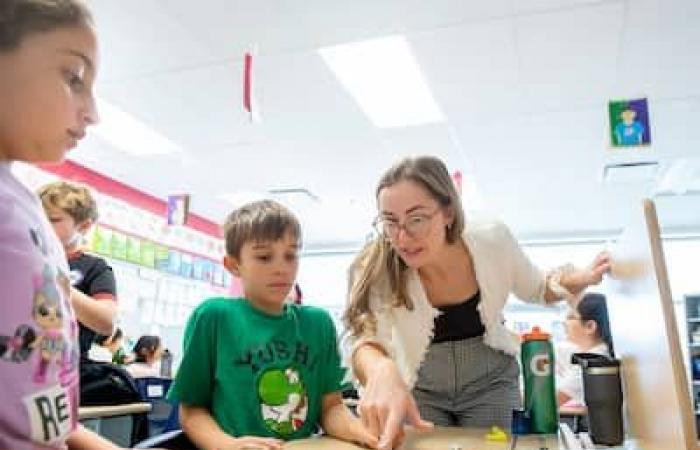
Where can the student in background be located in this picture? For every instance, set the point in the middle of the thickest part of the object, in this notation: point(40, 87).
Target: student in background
point(48, 59)
point(588, 330)
point(108, 348)
point(258, 370)
point(72, 211)
point(147, 353)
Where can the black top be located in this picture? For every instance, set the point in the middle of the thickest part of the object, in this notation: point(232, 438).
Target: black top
point(460, 321)
point(93, 277)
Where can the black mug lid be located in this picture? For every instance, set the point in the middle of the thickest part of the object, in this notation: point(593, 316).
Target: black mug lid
point(586, 360)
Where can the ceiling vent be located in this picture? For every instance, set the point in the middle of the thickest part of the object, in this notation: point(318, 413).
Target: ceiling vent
point(632, 172)
point(297, 199)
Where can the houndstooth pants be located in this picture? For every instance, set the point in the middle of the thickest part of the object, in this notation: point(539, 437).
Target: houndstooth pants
point(467, 384)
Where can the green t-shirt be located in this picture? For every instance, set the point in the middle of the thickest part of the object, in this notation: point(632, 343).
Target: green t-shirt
point(259, 374)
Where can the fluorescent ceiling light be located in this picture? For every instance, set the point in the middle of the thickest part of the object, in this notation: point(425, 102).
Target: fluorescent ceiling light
point(295, 192)
point(682, 176)
point(129, 134)
point(384, 78)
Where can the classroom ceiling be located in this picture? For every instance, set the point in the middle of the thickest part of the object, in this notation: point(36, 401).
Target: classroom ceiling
point(523, 85)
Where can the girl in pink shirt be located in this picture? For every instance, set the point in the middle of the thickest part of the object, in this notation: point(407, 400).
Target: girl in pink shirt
point(48, 58)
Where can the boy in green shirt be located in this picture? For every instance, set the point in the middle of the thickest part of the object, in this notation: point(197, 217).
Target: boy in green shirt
point(256, 370)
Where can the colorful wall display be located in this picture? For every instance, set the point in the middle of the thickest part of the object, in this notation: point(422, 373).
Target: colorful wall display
point(146, 253)
point(162, 257)
point(186, 265)
point(133, 249)
point(118, 250)
point(174, 261)
point(102, 241)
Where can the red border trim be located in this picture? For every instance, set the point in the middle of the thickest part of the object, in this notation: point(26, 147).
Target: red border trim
point(71, 170)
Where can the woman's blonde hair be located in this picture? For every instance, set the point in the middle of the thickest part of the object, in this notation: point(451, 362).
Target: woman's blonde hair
point(378, 262)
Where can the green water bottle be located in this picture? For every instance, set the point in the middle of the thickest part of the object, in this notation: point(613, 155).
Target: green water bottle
point(537, 356)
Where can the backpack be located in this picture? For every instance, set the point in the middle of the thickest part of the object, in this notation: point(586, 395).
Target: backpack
point(105, 384)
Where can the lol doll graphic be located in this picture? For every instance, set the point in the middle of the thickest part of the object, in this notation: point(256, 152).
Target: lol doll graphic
point(48, 315)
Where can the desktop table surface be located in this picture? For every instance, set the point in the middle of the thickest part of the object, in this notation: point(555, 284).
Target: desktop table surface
point(95, 412)
point(439, 439)
point(457, 438)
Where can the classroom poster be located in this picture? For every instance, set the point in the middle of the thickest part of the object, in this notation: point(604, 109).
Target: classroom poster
point(178, 209)
point(102, 241)
point(118, 245)
point(133, 249)
point(148, 254)
point(208, 273)
point(174, 261)
point(198, 269)
point(629, 123)
point(162, 257)
point(219, 275)
point(186, 265)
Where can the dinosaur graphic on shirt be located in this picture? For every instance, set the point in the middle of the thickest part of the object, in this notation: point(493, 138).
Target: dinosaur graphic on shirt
point(283, 400)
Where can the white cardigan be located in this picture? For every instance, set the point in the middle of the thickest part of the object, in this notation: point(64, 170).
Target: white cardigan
point(501, 267)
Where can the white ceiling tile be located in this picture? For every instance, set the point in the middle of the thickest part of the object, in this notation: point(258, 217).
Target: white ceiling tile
point(536, 6)
point(473, 69)
point(674, 126)
point(333, 22)
point(232, 27)
point(568, 58)
point(660, 54)
point(139, 38)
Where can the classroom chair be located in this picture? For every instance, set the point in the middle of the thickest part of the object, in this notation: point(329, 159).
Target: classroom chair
point(163, 416)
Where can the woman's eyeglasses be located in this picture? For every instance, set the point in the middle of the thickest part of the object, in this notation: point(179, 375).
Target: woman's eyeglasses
point(416, 226)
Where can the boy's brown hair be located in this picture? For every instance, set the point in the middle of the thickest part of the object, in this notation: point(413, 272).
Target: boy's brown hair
point(20, 18)
point(264, 220)
point(74, 199)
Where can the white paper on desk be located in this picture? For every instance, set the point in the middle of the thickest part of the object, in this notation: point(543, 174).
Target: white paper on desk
point(154, 390)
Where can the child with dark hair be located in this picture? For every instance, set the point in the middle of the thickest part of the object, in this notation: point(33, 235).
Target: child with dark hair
point(147, 353)
point(588, 330)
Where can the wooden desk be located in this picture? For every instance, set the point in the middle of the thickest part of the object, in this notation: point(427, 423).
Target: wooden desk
point(574, 416)
point(96, 412)
point(439, 439)
point(467, 439)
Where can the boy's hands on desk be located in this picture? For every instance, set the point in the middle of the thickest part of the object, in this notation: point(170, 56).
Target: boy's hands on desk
point(358, 434)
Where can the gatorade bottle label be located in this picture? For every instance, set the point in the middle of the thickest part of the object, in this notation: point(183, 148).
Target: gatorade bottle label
point(540, 365)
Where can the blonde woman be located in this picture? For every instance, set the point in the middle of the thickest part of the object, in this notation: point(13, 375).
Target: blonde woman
point(425, 307)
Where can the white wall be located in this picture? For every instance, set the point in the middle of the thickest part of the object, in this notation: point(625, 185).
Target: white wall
point(323, 278)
